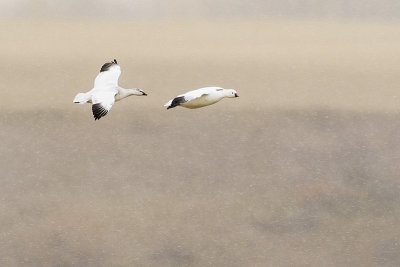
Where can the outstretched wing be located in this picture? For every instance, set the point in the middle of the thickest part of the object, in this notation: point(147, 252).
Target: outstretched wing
point(191, 95)
point(102, 102)
point(108, 76)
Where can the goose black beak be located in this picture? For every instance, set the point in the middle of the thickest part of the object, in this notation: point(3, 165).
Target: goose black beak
point(236, 95)
point(143, 93)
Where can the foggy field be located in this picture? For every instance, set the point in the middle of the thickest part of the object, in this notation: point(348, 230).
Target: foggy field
point(197, 188)
point(273, 63)
point(301, 170)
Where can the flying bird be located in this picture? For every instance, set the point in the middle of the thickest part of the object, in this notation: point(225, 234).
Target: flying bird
point(106, 90)
point(201, 97)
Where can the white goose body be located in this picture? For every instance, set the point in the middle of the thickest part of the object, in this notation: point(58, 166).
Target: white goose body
point(106, 90)
point(201, 97)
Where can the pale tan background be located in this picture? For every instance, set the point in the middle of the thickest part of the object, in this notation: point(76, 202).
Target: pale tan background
point(301, 170)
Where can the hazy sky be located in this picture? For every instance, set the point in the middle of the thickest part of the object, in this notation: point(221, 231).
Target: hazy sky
point(149, 9)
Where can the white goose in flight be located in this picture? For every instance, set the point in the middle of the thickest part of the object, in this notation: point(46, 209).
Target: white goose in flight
point(106, 90)
point(201, 97)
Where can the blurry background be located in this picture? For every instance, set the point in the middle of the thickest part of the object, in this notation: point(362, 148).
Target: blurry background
point(301, 170)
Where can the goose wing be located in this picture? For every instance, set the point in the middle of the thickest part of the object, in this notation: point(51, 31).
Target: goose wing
point(102, 102)
point(191, 95)
point(108, 76)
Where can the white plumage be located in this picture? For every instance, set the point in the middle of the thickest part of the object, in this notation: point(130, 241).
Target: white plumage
point(201, 97)
point(106, 90)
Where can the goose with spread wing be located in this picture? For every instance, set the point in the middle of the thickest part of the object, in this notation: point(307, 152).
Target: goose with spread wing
point(106, 90)
point(201, 97)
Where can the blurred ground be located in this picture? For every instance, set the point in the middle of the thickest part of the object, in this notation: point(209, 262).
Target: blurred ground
point(301, 170)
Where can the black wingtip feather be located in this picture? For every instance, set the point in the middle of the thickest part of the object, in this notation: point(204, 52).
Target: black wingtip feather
point(177, 101)
point(98, 111)
point(108, 65)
